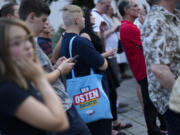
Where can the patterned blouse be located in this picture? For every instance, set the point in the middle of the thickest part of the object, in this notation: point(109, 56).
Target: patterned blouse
point(161, 42)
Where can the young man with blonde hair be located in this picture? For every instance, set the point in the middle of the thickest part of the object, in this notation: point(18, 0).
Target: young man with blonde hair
point(88, 57)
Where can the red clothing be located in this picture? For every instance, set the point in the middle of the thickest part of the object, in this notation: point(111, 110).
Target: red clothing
point(131, 41)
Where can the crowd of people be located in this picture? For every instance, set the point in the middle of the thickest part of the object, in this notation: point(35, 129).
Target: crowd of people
point(36, 64)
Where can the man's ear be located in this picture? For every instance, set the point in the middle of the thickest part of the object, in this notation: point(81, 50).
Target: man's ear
point(126, 10)
point(30, 17)
point(76, 20)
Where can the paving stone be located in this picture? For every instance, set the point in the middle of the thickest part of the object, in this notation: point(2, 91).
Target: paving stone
point(134, 115)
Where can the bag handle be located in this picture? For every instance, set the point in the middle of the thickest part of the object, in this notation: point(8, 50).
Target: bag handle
point(70, 53)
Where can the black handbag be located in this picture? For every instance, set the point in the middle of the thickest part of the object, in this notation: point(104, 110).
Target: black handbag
point(120, 47)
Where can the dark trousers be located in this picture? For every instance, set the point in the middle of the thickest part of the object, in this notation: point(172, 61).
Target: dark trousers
point(150, 112)
point(162, 122)
point(101, 127)
point(122, 68)
point(172, 120)
point(114, 82)
point(113, 99)
point(77, 125)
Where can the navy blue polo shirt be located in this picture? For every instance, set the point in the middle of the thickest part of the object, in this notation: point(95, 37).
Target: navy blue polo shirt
point(88, 56)
point(11, 97)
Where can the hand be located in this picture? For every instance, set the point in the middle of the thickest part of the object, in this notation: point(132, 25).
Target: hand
point(32, 71)
point(103, 26)
point(66, 66)
point(109, 53)
point(59, 61)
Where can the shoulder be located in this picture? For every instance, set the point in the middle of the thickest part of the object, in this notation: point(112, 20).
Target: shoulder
point(82, 41)
point(94, 13)
point(154, 19)
point(11, 96)
point(8, 85)
point(85, 35)
point(10, 88)
point(98, 17)
point(129, 28)
point(154, 25)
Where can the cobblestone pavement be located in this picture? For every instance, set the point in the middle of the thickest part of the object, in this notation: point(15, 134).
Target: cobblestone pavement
point(127, 94)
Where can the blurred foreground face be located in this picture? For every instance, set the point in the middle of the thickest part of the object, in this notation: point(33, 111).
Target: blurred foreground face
point(19, 44)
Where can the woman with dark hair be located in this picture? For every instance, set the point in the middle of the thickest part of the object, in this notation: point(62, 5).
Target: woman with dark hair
point(98, 43)
point(89, 21)
point(108, 81)
point(29, 105)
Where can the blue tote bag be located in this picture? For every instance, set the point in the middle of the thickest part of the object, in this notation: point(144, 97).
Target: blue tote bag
point(88, 96)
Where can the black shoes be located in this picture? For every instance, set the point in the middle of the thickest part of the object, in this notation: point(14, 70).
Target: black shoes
point(122, 126)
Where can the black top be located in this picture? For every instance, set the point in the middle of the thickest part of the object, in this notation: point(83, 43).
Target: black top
point(11, 97)
point(88, 56)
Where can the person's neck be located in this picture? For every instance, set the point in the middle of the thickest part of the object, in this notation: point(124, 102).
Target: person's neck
point(30, 26)
point(130, 19)
point(110, 15)
point(72, 30)
point(170, 5)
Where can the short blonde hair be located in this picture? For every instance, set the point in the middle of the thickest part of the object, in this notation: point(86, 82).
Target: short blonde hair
point(70, 12)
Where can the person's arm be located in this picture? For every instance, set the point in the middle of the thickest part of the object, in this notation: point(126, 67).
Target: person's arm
point(49, 115)
point(107, 33)
point(163, 75)
point(57, 50)
point(109, 53)
point(154, 43)
point(104, 66)
point(90, 56)
point(105, 54)
point(103, 33)
point(61, 68)
point(85, 35)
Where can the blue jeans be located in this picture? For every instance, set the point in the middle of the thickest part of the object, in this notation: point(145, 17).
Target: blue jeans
point(172, 120)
